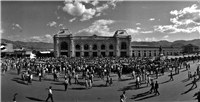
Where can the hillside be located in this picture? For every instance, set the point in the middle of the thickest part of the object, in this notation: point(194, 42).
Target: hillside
point(29, 45)
point(43, 45)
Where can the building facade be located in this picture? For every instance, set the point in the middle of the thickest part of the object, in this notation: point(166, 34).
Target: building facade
point(151, 51)
point(190, 48)
point(67, 44)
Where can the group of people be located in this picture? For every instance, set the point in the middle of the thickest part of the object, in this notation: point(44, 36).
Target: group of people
point(141, 69)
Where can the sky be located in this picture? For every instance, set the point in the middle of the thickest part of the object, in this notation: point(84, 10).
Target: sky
point(38, 21)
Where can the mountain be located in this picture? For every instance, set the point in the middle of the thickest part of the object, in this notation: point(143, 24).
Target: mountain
point(29, 45)
point(43, 45)
point(177, 43)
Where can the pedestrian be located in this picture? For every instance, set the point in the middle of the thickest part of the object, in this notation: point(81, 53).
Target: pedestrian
point(123, 97)
point(198, 96)
point(40, 76)
point(50, 94)
point(66, 84)
point(76, 78)
point(156, 88)
point(171, 76)
point(14, 99)
point(152, 86)
point(194, 83)
point(148, 80)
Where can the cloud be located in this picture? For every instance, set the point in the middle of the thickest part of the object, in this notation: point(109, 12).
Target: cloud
point(99, 27)
point(171, 29)
point(1, 29)
point(95, 2)
point(13, 37)
point(186, 20)
point(45, 38)
point(132, 32)
point(52, 24)
point(138, 24)
point(71, 20)
point(186, 16)
point(16, 26)
point(152, 19)
point(77, 8)
point(147, 39)
point(60, 25)
point(138, 28)
point(58, 17)
point(165, 37)
point(88, 14)
point(144, 32)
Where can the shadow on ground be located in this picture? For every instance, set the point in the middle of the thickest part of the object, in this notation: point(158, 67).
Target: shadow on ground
point(34, 99)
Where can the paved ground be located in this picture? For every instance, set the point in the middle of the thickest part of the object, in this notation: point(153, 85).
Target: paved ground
point(177, 90)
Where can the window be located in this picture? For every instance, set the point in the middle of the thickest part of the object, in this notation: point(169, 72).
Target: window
point(64, 46)
point(111, 47)
point(86, 47)
point(78, 47)
point(94, 47)
point(103, 47)
point(123, 45)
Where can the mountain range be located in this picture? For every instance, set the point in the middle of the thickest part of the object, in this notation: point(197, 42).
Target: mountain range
point(45, 46)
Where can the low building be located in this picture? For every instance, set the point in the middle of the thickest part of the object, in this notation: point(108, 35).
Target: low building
point(152, 51)
point(190, 48)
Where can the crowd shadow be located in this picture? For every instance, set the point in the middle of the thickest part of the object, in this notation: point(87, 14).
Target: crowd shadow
point(78, 88)
point(19, 80)
point(100, 85)
point(59, 83)
point(185, 80)
point(130, 87)
point(35, 99)
point(143, 96)
point(190, 89)
point(126, 79)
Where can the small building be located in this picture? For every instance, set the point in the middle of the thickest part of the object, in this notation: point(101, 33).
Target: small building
point(153, 51)
point(190, 48)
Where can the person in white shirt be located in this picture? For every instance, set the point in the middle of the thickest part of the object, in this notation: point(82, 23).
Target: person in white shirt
point(50, 94)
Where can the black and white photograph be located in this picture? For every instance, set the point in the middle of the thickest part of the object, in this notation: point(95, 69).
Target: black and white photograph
point(100, 51)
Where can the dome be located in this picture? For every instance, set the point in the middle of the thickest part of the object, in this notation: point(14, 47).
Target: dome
point(121, 33)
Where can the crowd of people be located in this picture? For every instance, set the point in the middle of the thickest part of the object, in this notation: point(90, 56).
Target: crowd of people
point(142, 70)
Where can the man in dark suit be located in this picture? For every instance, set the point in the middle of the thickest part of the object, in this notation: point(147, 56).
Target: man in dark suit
point(156, 88)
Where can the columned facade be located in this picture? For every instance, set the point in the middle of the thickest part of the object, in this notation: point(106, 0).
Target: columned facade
point(118, 45)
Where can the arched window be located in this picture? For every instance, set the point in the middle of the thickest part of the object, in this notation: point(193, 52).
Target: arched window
point(103, 47)
point(123, 45)
point(86, 47)
point(78, 47)
point(111, 47)
point(64, 46)
point(94, 47)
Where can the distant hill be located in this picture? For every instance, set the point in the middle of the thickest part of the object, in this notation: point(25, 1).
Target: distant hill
point(29, 45)
point(177, 43)
point(43, 45)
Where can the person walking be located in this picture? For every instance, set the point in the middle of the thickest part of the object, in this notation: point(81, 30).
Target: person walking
point(50, 94)
point(152, 86)
point(14, 99)
point(66, 84)
point(40, 76)
point(171, 76)
point(123, 97)
point(194, 83)
point(198, 96)
point(156, 88)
